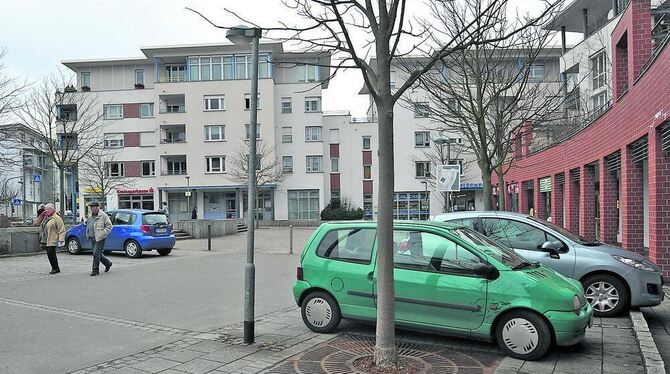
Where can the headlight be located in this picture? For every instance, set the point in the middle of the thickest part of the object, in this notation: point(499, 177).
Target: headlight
point(634, 263)
point(576, 304)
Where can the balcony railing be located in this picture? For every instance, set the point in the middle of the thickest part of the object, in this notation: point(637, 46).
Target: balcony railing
point(369, 119)
point(173, 172)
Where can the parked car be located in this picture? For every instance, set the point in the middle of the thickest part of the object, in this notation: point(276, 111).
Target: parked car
point(614, 279)
point(448, 279)
point(134, 231)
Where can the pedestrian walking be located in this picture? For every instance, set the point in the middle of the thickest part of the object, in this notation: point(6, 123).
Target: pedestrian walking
point(98, 227)
point(52, 234)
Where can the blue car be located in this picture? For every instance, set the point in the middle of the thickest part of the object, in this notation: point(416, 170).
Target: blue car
point(134, 231)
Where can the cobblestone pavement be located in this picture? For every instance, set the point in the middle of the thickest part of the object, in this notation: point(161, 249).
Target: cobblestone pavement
point(658, 319)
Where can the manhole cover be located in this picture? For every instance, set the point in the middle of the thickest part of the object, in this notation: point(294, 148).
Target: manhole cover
point(338, 355)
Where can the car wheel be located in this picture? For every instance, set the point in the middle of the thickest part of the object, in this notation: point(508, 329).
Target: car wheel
point(523, 334)
point(164, 251)
point(73, 246)
point(320, 312)
point(607, 295)
point(133, 249)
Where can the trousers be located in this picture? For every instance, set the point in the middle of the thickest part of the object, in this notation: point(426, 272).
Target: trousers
point(98, 256)
point(53, 259)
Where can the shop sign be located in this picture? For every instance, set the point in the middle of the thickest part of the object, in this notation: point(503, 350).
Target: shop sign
point(512, 188)
point(472, 186)
point(92, 190)
point(545, 184)
point(134, 191)
point(449, 178)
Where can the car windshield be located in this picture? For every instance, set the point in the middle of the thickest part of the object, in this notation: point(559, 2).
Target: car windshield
point(154, 219)
point(572, 236)
point(501, 253)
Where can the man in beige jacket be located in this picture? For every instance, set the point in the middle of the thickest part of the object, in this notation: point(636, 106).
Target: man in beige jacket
point(98, 226)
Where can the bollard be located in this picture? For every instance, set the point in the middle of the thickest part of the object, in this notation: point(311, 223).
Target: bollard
point(290, 240)
point(209, 236)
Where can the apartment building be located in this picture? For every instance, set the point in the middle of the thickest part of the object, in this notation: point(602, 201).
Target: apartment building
point(178, 117)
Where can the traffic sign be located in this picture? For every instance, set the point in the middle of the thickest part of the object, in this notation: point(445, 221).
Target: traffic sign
point(16, 201)
point(37, 178)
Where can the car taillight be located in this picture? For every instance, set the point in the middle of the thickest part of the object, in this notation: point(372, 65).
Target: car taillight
point(146, 229)
point(299, 273)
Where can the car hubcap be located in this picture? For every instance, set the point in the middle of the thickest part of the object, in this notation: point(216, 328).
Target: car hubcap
point(318, 312)
point(520, 336)
point(131, 249)
point(602, 296)
point(72, 246)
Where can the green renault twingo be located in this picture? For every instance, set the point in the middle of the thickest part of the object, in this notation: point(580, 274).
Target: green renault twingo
point(448, 279)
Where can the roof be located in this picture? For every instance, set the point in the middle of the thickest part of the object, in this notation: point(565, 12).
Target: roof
point(572, 17)
point(396, 223)
point(469, 214)
point(72, 64)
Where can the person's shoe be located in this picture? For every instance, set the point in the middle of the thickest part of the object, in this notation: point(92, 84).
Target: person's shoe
point(94, 273)
point(54, 271)
point(107, 267)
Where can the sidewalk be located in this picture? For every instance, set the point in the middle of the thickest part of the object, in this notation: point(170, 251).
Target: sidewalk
point(285, 345)
point(658, 319)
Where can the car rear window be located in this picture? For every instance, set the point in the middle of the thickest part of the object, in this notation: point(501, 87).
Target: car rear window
point(154, 218)
point(354, 245)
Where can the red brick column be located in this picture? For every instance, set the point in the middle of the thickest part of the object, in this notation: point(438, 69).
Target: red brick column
point(523, 199)
point(632, 219)
point(571, 199)
point(659, 202)
point(538, 200)
point(608, 211)
point(556, 201)
point(587, 202)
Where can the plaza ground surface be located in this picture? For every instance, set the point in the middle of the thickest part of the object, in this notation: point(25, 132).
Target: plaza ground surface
point(182, 314)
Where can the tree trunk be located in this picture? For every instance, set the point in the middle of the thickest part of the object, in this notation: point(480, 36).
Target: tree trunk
point(488, 189)
point(386, 354)
point(61, 192)
point(502, 191)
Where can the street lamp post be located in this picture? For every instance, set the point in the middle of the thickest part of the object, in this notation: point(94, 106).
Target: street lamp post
point(442, 141)
point(426, 199)
point(188, 194)
point(243, 35)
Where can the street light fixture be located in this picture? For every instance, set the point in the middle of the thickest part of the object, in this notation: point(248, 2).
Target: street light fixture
point(244, 35)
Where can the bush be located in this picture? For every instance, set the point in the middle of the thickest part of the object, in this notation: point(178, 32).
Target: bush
point(341, 211)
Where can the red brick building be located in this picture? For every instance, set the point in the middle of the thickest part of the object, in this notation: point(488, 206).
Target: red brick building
point(610, 179)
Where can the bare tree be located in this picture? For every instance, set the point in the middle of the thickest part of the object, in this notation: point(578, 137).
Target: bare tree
point(8, 191)
point(99, 173)
point(10, 91)
point(487, 92)
point(68, 123)
point(354, 30)
point(268, 171)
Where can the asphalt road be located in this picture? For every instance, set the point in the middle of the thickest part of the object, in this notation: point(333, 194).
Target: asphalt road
point(60, 323)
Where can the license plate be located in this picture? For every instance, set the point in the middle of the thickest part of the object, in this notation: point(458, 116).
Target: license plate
point(161, 231)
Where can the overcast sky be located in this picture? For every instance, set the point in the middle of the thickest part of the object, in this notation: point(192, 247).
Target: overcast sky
point(40, 33)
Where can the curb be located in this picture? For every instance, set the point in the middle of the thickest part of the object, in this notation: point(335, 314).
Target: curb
point(653, 362)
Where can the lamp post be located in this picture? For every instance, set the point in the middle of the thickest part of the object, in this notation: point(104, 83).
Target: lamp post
point(426, 199)
point(244, 35)
point(188, 194)
point(440, 142)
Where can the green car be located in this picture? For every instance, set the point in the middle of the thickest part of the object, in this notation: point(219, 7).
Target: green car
point(448, 279)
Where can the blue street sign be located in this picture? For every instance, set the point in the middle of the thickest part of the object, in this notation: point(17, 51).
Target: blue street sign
point(37, 178)
point(16, 201)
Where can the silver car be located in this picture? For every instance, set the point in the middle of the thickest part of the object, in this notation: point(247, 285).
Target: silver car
point(614, 279)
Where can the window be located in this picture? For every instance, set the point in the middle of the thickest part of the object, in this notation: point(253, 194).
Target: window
point(287, 164)
point(146, 110)
point(392, 81)
point(599, 102)
point(258, 131)
point(307, 73)
point(67, 140)
point(175, 73)
point(421, 109)
point(174, 108)
point(242, 65)
point(312, 104)
point(422, 139)
point(247, 101)
point(221, 67)
point(367, 206)
point(176, 167)
point(148, 168)
point(139, 76)
point(115, 169)
point(215, 103)
point(124, 218)
point(174, 134)
point(422, 169)
point(286, 105)
point(303, 204)
point(599, 70)
point(258, 161)
point(113, 141)
point(366, 142)
point(114, 111)
point(424, 251)
point(452, 104)
point(536, 72)
point(313, 133)
point(136, 202)
point(287, 135)
point(214, 133)
point(335, 195)
point(515, 234)
point(367, 172)
point(314, 164)
point(66, 112)
point(335, 165)
point(348, 245)
point(334, 136)
point(86, 79)
point(148, 139)
point(216, 164)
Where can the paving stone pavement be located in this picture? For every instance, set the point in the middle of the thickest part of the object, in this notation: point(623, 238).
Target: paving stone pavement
point(658, 319)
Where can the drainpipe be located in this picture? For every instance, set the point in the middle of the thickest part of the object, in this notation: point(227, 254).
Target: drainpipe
point(586, 22)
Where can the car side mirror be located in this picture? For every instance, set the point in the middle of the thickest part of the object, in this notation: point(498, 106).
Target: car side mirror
point(485, 270)
point(550, 248)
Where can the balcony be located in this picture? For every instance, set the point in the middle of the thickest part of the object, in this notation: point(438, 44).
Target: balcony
point(172, 104)
point(173, 165)
point(171, 134)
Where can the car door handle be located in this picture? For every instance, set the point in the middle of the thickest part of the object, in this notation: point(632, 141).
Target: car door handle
point(371, 276)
